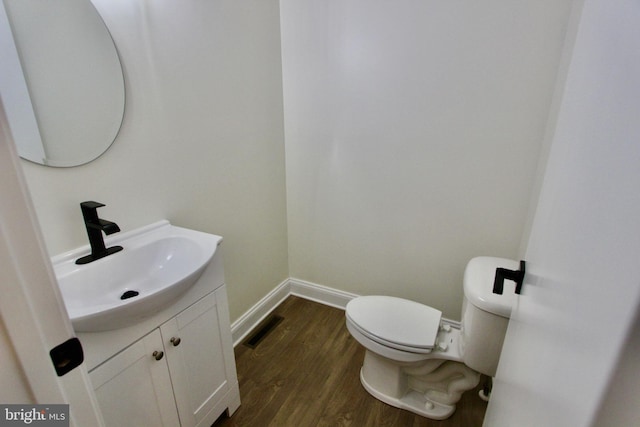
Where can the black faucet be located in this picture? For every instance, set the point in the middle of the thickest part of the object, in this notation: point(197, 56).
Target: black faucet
point(95, 226)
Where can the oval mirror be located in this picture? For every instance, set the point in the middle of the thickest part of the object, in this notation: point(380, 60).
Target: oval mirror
point(72, 103)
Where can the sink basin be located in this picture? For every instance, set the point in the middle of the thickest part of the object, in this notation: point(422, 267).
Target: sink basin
point(159, 263)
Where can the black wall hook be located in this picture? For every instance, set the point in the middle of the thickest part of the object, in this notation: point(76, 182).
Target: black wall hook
point(515, 275)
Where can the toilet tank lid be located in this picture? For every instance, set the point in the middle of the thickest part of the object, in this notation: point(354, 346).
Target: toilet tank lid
point(478, 285)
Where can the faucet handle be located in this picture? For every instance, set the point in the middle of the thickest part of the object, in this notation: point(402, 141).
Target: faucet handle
point(90, 210)
point(91, 205)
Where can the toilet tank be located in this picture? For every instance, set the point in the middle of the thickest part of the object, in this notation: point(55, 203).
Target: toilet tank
point(485, 315)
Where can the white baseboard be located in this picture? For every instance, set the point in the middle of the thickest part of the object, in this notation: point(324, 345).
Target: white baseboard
point(301, 288)
point(256, 314)
point(291, 286)
point(319, 293)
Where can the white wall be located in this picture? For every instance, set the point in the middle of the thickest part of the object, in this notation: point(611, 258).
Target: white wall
point(413, 130)
point(202, 139)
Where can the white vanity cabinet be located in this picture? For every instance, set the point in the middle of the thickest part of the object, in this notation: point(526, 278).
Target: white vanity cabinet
point(201, 373)
point(182, 373)
point(134, 389)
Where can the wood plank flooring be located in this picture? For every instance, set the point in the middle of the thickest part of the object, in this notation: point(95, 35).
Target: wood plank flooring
point(305, 372)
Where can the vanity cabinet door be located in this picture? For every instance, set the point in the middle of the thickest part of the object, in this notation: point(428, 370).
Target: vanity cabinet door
point(134, 387)
point(196, 358)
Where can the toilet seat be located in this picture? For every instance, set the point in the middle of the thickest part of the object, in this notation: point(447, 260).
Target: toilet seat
point(394, 346)
point(395, 322)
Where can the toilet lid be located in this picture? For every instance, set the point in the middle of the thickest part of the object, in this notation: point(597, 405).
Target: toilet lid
point(395, 322)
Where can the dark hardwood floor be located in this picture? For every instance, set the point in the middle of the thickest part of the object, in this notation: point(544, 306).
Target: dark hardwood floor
point(305, 372)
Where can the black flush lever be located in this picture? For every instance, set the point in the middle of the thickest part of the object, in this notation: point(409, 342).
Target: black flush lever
point(515, 275)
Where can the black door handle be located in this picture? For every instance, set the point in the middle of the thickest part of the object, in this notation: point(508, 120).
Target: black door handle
point(67, 356)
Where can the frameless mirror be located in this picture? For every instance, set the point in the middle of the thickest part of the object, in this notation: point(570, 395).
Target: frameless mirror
point(61, 80)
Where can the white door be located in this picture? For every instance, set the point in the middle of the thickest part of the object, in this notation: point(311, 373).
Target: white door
point(582, 287)
point(32, 313)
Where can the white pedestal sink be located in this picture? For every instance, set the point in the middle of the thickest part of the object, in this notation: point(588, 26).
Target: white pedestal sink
point(159, 263)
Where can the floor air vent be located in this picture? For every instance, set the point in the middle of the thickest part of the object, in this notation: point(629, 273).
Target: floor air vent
point(263, 330)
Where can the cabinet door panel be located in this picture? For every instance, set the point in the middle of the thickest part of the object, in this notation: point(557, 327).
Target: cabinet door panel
point(134, 389)
point(197, 364)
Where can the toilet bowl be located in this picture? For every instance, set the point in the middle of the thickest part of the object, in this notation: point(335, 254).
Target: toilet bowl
point(415, 360)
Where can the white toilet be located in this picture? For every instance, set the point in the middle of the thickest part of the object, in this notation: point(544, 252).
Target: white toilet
point(416, 362)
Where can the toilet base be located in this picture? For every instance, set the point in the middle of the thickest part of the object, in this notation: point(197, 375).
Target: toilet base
point(412, 401)
point(430, 388)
